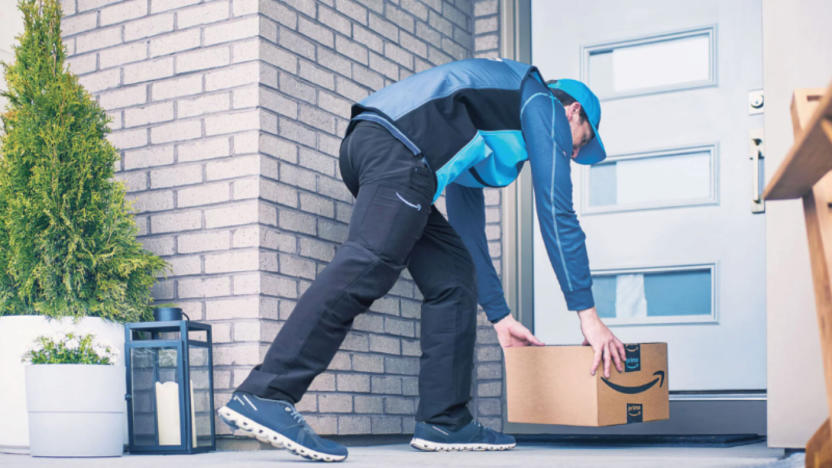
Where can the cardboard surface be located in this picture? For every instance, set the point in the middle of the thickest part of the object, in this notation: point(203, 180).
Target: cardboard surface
point(552, 385)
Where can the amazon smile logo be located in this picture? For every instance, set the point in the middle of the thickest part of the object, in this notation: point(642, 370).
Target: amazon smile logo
point(631, 390)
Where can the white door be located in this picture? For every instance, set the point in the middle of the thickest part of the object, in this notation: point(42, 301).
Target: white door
point(676, 253)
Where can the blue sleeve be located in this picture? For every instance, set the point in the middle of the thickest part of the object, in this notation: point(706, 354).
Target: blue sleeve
point(549, 145)
point(466, 214)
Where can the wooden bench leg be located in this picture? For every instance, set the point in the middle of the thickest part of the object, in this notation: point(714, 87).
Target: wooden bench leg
point(819, 448)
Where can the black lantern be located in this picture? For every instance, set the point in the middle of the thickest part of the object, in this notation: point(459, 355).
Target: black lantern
point(170, 385)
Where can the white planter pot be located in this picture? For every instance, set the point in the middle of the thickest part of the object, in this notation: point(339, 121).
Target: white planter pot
point(75, 410)
point(17, 336)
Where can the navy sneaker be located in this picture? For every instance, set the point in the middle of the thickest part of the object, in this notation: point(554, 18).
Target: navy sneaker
point(278, 422)
point(473, 436)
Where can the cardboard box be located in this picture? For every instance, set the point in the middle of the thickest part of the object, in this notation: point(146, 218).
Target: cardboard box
point(552, 385)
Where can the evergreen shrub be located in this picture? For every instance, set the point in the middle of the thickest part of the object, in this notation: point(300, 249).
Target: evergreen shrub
point(67, 236)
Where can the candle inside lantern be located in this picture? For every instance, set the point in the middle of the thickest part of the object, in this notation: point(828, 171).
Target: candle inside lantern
point(167, 413)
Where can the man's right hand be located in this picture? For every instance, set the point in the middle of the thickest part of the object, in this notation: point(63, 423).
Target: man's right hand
point(512, 333)
point(605, 344)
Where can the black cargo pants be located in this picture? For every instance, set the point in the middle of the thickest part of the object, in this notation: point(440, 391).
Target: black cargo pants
point(393, 225)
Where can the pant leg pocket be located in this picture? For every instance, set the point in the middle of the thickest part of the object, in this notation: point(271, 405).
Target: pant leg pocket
point(394, 220)
point(422, 179)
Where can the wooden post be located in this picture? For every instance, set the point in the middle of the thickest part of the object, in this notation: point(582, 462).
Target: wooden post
point(806, 173)
point(819, 450)
point(819, 232)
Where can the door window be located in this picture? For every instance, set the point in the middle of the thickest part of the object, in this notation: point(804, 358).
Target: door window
point(681, 294)
point(667, 62)
point(656, 179)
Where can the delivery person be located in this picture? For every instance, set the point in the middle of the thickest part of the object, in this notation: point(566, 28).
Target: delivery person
point(455, 128)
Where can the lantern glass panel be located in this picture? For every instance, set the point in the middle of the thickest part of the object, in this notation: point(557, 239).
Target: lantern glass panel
point(201, 397)
point(155, 393)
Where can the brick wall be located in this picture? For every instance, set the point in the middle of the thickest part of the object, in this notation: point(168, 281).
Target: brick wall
point(179, 79)
point(228, 116)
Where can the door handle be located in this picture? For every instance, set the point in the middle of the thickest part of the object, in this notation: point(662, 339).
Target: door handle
point(758, 205)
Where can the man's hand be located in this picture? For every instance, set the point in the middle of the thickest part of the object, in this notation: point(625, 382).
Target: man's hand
point(511, 333)
point(603, 342)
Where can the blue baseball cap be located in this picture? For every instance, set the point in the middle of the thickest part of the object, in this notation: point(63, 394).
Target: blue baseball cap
point(594, 150)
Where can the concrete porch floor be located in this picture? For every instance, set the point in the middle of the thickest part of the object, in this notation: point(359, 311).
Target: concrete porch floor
point(402, 456)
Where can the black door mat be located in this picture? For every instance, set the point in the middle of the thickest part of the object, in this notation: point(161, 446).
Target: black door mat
point(562, 440)
point(705, 440)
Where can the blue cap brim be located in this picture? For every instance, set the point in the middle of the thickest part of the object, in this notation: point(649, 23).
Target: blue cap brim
point(594, 151)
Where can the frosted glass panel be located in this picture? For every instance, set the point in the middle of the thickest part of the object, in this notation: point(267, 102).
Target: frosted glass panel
point(651, 296)
point(603, 290)
point(661, 64)
point(678, 293)
point(664, 178)
point(647, 64)
point(603, 190)
point(668, 179)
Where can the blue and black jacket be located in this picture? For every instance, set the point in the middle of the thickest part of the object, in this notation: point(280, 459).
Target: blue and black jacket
point(476, 122)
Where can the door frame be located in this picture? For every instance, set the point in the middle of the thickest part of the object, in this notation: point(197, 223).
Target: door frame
point(518, 233)
point(723, 413)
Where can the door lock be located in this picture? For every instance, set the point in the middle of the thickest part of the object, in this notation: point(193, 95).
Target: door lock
point(756, 102)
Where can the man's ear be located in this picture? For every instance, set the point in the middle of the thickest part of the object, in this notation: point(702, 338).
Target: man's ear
point(573, 109)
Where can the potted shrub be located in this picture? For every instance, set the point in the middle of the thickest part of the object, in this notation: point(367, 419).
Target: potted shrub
point(69, 259)
point(82, 416)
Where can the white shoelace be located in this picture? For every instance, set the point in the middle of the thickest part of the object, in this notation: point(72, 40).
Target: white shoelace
point(296, 415)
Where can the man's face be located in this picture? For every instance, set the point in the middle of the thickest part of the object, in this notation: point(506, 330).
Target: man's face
point(581, 131)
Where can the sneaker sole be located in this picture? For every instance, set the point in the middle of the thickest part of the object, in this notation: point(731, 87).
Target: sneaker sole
point(262, 433)
point(428, 446)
